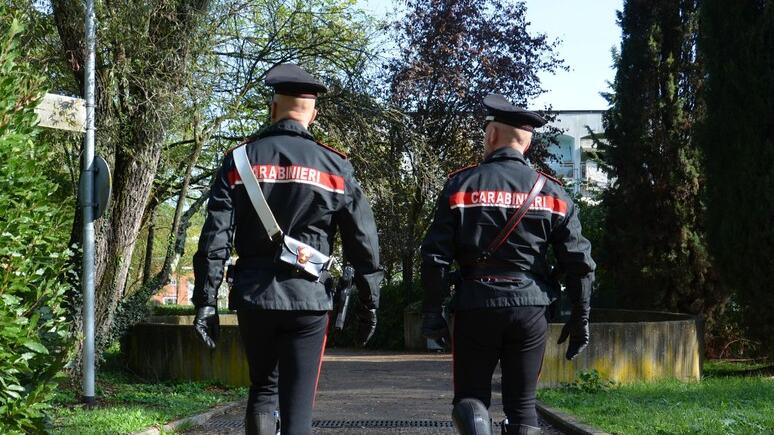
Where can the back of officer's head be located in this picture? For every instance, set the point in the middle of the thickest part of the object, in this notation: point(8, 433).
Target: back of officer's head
point(291, 107)
point(295, 93)
point(498, 135)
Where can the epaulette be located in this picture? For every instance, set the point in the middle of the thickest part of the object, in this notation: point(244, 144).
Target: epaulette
point(463, 169)
point(334, 150)
point(247, 141)
point(551, 177)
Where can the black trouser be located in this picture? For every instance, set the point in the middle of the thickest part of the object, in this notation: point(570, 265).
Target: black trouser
point(284, 351)
point(516, 337)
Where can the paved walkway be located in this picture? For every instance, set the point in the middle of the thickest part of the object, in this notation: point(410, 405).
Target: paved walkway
point(399, 393)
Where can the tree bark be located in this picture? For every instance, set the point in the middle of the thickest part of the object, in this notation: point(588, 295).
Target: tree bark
point(407, 272)
point(133, 309)
point(146, 269)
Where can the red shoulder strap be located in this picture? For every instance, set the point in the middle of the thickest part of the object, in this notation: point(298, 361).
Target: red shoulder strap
point(245, 142)
point(463, 169)
point(554, 179)
point(330, 148)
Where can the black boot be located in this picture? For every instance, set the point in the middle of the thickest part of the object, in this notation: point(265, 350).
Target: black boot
point(519, 429)
point(261, 424)
point(471, 417)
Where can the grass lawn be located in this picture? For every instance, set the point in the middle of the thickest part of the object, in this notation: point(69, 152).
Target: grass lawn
point(129, 404)
point(733, 398)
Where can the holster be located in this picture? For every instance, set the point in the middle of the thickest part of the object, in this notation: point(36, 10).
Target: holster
point(342, 297)
point(454, 283)
point(230, 272)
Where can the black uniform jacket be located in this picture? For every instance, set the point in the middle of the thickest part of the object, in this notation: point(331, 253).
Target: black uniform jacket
point(312, 192)
point(473, 208)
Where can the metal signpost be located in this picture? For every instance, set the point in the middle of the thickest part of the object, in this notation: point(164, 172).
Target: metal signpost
point(87, 209)
point(75, 114)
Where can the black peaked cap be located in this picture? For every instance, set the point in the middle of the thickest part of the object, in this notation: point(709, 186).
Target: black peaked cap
point(290, 79)
point(499, 109)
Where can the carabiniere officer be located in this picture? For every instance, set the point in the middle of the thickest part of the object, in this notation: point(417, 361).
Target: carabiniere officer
point(283, 316)
point(500, 304)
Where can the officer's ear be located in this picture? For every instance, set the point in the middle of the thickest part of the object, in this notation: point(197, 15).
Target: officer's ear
point(494, 135)
point(314, 116)
point(273, 111)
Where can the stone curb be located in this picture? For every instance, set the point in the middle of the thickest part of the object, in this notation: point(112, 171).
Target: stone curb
point(566, 422)
point(194, 420)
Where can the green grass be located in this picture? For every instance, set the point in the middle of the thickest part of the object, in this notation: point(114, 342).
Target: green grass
point(128, 404)
point(722, 403)
point(718, 368)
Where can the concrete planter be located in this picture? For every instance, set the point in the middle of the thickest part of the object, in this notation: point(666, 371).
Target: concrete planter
point(412, 330)
point(629, 346)
point(626, 346)
point(166, 347)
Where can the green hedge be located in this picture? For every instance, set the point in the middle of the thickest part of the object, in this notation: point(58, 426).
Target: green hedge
point(34, 232)
point(178, 310)
point(389, 330)
point(172, 310)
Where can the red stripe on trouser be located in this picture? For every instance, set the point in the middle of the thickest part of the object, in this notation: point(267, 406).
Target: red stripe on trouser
point(322, 353)
point(454, 364)
point(543, 357)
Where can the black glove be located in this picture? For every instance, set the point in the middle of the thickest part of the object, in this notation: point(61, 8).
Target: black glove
point(577, 328)
point(434, 327)
point(366, 324)
point(207, 325)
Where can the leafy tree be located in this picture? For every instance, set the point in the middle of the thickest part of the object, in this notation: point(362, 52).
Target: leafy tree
point(144, 59)
point(655, 248)
point(452, 53)
point(230, 103)
point(179, 82)
point(34, 230)
point(738, 142)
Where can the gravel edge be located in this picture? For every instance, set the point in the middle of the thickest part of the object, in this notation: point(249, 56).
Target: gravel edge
point(566, 422)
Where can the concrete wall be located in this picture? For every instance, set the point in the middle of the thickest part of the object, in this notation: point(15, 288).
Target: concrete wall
point(626, 346)
point(168, 348)
point(630, 350)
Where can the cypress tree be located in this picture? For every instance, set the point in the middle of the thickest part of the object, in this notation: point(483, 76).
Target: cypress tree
point(654, 250)
point(738, 139)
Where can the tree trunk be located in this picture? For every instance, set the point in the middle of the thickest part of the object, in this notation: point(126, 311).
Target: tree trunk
point(146, 269)
point(407, 263)
point(133, 309)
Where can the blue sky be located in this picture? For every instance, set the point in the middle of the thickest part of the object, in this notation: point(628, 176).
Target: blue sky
point(588, 31)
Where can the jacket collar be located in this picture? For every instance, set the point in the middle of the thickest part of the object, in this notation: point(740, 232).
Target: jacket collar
point(505, 153)
point(286, 127)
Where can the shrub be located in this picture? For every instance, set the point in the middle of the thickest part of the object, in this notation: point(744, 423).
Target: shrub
point(172, 310)
point(389, 330)
point(34, 232)
point(589, 382)
point(179, 310)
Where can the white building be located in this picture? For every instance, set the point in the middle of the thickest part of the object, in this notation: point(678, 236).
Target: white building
point(576, 148)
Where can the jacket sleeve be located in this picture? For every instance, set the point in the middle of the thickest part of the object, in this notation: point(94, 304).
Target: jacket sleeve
point(573, 252)
point(215, 240)
point(438, 255)
point(360, 242)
